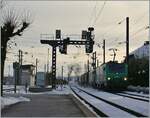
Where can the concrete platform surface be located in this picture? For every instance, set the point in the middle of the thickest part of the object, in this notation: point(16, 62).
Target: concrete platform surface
point(44, 105)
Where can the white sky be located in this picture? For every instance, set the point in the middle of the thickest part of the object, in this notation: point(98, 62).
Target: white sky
point(74, 16)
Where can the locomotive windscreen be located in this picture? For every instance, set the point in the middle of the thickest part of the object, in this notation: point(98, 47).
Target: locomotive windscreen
point(113, 67)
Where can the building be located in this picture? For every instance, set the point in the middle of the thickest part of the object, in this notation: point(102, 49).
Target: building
point(41, 79)
point(27, 75)
point(9, 80)
point(24, 74)
point(141, 52)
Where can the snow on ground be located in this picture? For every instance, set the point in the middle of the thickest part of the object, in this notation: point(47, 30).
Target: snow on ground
point(135, 93)
point(85, 104)
point(136, 105)
point(65, 89)
point(10, 89)
point(6, 100)
point(61, 90)
point(104, 107)
point(139, 89)
point(140, 97)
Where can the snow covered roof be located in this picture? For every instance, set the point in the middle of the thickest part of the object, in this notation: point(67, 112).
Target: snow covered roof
point(142, 51)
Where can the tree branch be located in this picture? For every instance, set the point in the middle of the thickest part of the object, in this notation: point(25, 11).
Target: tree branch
point(19, 31)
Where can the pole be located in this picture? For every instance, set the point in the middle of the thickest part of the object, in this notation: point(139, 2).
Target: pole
point(36, 71)
point(45, 68)
point(88, 71)
point(95, 59)
point(18, 70)
point(127, 43)
point(94, 67)
point(15, 79)
point(21, 57)
point(20, 66)
point(97, 62)
point(53, 67)
point(48, 61)
point(104, 51)
point(62, 72)
point(9, 72)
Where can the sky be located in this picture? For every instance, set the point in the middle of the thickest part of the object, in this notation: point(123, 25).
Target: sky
point(72, 17)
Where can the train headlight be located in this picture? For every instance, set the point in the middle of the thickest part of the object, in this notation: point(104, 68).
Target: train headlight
point(125, 79)
point(108, 78)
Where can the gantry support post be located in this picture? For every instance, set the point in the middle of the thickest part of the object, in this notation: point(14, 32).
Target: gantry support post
point(53, 66)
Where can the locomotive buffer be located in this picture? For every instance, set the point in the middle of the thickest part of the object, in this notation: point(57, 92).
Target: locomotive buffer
point(63, 47)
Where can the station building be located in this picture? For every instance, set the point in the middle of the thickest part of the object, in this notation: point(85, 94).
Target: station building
point(141, 52)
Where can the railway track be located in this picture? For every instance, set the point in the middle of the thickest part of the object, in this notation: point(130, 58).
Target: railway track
point(136, 97)
point(94, 108)
point(132, 112)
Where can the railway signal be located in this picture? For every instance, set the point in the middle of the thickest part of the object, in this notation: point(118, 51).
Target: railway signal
point(58, 34)
point(89, 38)
point(84, 34)
point(63, 47)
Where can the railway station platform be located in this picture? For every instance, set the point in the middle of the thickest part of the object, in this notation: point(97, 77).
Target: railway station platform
point(48, 105)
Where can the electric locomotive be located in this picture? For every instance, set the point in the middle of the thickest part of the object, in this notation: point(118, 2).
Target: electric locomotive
point(109, 75)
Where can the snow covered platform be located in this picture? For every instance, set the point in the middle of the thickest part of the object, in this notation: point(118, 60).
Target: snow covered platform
point(45, 105)
point(56, 103)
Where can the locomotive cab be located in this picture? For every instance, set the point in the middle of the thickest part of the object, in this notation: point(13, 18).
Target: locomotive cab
point(116, 75)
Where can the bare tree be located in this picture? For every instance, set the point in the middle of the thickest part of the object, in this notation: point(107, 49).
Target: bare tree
point(2, 3)
point(13, 24)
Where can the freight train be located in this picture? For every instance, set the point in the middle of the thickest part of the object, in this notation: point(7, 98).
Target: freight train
point(110, 75)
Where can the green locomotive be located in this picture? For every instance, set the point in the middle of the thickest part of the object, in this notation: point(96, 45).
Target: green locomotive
point(109, 75)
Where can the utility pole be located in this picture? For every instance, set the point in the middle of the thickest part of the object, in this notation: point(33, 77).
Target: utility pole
point(16, 68)
point(127, 43)
point(97, 62)
point(94, 67)
point(36, 71)
point(94, 60)
point(15, 73)
point(62, 72)
point(104, 51)
point(19, 70)
point(88, 70)
point(45, 68)
point(9, 72)
point(48, 61)
point(20, 66)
